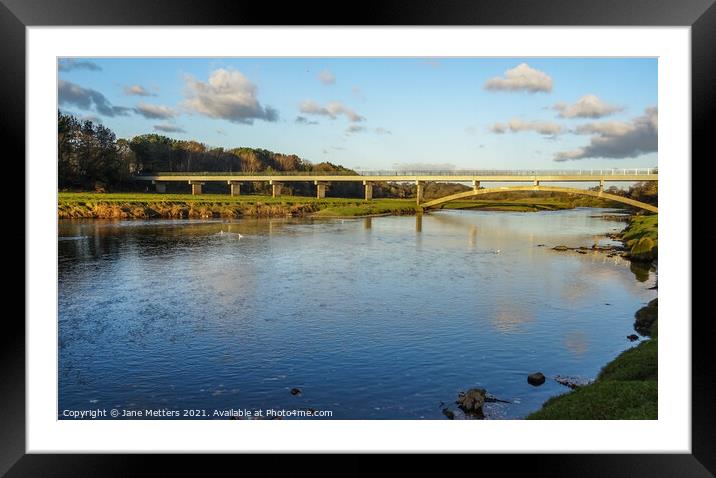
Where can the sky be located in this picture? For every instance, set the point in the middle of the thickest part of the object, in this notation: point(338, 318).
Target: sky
point(384, 113)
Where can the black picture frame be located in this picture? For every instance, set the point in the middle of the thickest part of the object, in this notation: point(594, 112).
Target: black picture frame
point(16, 15)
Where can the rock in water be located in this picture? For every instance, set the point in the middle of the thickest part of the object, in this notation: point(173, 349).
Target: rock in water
point(633, 337)
point(645, 318)
point(449, 413)
point(295, 391)
point(471, 402)
point(536, 379)
point(572, 382)
point(560, 248)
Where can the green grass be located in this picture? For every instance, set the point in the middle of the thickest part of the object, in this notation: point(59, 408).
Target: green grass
point(609, 400)
point(625, 389)
point(90, 204)
point(638, 363)
point(528, 204)
point(142, 205)
point(641, 237)
point(641, 227)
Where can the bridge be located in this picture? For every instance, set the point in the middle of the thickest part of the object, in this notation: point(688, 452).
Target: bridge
point(531, 181)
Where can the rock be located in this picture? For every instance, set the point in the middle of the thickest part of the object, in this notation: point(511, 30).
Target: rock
point(580, 251)
point(572, 382)
point(633, 337)
point(560, 248)
point(536, 379)
point(471, 402)
point(645, 318)
point(490, 398)
point(295, 391)
point(449, 413)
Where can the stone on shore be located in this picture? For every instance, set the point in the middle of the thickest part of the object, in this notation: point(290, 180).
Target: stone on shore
point(572, 382)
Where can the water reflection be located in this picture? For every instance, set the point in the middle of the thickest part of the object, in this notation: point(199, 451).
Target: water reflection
point(360, 314)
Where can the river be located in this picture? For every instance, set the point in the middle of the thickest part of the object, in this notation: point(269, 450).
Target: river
point(370, 318)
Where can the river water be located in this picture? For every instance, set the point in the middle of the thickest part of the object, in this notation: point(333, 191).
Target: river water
point(382, 318)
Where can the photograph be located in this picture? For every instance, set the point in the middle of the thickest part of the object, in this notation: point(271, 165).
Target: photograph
point(432, 229)
point(357, 238)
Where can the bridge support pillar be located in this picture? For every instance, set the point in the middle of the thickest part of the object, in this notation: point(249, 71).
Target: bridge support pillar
point(601, 185)
point(419, 191)
point(368, 190)
point(475, 185)
point(275, 188)
point(536, 183)
point(196, 187)
point(235, 187)
point(160, 187)
point(320, 189)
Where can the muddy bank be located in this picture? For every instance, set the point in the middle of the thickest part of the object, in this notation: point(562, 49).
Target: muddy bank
point(180, 210)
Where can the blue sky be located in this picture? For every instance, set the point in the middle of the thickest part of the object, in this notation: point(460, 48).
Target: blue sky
point(379, 113)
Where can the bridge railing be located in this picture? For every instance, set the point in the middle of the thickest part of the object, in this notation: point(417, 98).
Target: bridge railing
point(509, 172)
point(399, 172)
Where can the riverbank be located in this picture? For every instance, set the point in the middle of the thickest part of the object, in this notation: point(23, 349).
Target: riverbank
point(627, 387)
point(641, 238)
point(177, 206)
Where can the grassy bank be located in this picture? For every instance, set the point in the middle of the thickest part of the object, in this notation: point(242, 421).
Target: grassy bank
point(641, 238)
point(149, 205)
point(144, 205)
point(625, 389)
point(529, 204)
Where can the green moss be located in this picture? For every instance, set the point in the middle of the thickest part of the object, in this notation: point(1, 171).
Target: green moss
point(641, 237)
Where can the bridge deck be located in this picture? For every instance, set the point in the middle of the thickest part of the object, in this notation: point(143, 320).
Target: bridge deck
point(401, 178)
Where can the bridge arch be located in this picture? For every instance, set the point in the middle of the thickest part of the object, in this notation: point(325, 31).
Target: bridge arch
point(583, 192)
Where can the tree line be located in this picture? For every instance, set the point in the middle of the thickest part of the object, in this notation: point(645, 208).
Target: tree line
point(91, 157)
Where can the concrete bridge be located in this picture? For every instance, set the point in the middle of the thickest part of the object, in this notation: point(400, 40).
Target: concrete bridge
point(531, 181)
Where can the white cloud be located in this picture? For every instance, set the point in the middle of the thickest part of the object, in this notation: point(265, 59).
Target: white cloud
point(381, 130)
point(228, 95)
point(332, 110)
point(136, 90)
point(521, 78)
point(515, 125)
point(588, 106)
point(86, 98)
point(616, 139)
point(155, 111)
point(169, 128)
point(327, 78)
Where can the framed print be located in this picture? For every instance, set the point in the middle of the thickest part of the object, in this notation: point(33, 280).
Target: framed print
point(421, 230)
